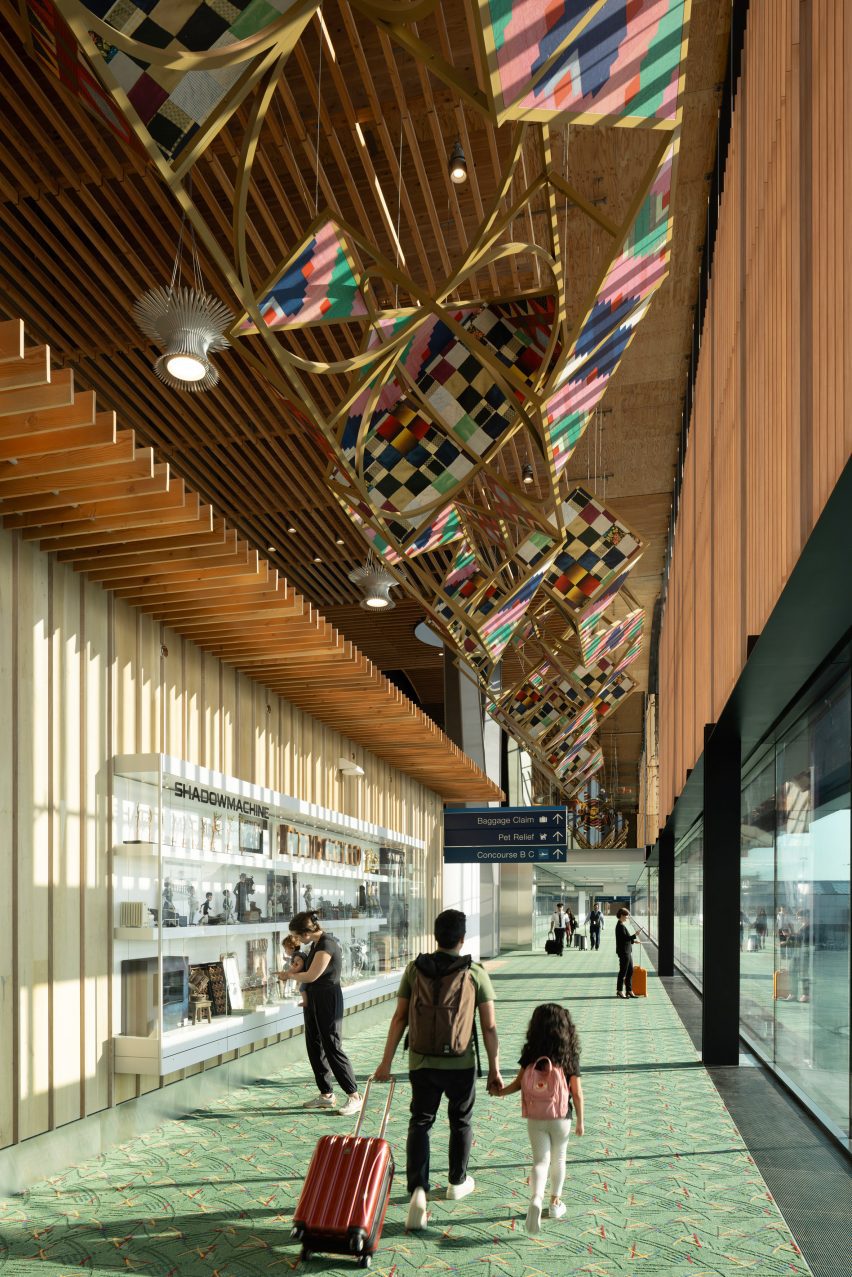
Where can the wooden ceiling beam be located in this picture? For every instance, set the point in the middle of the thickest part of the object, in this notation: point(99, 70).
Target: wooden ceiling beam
point(173, 498)
point(58, 394)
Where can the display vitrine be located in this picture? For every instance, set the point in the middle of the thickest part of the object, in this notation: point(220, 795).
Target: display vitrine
point(207, 872)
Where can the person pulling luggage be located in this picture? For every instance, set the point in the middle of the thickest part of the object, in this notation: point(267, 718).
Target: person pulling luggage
point(595, 919)
point(624, 943)
point(559, 925)
point(438, 997)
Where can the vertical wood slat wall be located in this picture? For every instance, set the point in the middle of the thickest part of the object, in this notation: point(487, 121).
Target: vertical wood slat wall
point(771, 426)
point(82, 678)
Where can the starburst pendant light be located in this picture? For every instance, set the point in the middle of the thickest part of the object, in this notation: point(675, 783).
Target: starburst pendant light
point(188, 325)
point(375, 583)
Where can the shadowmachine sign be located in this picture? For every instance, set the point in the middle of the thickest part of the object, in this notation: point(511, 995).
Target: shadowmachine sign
point(505, 835)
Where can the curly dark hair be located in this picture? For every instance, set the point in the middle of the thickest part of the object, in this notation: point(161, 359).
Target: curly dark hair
point(552, 1032)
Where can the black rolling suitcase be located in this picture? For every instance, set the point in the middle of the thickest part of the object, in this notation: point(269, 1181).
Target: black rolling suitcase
point(551, 945)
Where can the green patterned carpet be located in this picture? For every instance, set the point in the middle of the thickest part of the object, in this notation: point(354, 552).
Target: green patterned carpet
point(660, 1184)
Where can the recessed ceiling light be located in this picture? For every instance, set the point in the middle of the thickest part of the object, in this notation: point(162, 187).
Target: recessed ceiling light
point(340, 541)
point(317, 559)
point(291, 531)
point(271, 549)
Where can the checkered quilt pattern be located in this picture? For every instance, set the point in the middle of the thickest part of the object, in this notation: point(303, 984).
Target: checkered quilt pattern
point(621, 303)
point(430, 338)
point(560, 758)
point(624, 63)
point(56, 47)
point(410, 462)
point(596, 546)
point(617, 691)
point(173, 105)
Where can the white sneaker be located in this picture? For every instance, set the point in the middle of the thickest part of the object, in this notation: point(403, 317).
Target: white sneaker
point(557, 1210)
point(352, 1106)
point(320, 1102)
point(417, 1210)
point(533, 1220)
point(455, 1192)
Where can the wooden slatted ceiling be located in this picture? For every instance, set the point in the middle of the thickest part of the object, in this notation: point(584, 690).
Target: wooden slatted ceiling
point(88, 226)
point(91, 495)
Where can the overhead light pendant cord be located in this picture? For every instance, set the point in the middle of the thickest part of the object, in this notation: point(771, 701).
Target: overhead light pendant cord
point(319, 109)
point(398, 214)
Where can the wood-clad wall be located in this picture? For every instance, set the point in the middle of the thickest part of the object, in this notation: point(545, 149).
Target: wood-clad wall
point(772, 417)
point(84, 677)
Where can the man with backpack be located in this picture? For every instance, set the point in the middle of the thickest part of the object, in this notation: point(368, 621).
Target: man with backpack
point(438, 997)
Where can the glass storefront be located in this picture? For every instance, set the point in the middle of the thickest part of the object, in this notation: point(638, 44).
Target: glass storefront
point(646, 901)
point(794, 980)
point(689, 903)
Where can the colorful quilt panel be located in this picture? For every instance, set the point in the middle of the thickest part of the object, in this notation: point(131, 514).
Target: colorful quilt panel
point(596, 546)
point(624, 62)
point(174, 104)
point(409, 461)
point(319, 285)
point(607, 641)
point(56, 47)
point(588, 623)
point(619, 306)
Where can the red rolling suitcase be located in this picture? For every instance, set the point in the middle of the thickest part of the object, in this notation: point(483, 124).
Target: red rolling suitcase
point(341, 1209)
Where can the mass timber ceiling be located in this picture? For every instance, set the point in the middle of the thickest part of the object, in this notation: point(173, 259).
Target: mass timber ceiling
point(86, 491)
point(88, 212)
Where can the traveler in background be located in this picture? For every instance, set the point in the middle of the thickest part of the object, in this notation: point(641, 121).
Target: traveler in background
point(549, 1082)
point(572, 925)
point(559, 924)
point(441, 1057)
point(800, 946)
point(760, 926)
point(595, 919)
point(324, 1014)
point(624, 942)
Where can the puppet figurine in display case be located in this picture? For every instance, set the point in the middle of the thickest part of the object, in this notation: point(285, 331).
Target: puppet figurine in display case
point(170, 913)
point(308, 897)
point(228, 914)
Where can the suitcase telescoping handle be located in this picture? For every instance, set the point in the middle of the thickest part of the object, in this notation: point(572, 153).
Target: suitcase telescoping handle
point(385, 1115)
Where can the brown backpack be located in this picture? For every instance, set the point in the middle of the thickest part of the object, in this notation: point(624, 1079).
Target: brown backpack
point(442, 1006)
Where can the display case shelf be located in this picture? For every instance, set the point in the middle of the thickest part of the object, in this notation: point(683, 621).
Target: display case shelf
point(235, 930)
point(173, 820)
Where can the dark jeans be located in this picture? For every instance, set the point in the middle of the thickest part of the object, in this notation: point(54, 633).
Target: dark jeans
point(595, 937)
point(323, 1022)
point(428, 1086)
point(559, 937)
point(625, 973)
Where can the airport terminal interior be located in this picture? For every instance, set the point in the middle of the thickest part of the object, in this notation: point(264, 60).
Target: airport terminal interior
point(425, 486)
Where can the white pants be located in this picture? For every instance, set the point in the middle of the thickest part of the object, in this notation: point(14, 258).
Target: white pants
point(549, 1143)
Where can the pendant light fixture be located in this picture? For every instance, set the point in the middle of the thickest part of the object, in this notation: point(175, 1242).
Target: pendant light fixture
point(375, 582)
point(458, 164)
point(187, 324)
point(527, 475)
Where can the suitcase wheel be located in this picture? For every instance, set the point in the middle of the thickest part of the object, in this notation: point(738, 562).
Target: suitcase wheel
point(365, 1261)
point(297, 1232)
point(306, 1255)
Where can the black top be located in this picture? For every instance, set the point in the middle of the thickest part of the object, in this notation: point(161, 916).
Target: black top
point(331, 975)
point(623, 938)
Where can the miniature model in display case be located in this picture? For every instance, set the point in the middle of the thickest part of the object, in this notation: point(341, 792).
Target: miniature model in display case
point(214, 868)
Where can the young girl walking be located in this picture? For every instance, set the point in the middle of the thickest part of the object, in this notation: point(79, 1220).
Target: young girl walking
point(549, 1083)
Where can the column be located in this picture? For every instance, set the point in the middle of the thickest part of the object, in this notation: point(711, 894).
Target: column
point(721, 897)
point(665, 903)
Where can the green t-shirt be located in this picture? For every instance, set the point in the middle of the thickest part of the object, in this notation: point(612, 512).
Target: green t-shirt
point(484, 993)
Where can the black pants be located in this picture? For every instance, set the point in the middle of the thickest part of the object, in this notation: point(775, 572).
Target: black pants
point(625, 973)
point(594, 936)
point(559, 937)
point(323, 1022)
point(428, 1086)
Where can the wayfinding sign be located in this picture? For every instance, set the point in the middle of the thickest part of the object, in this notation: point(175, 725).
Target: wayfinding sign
point(505, 835)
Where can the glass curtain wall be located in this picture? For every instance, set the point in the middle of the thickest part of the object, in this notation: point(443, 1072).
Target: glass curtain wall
point(645, 900)
point(795, 980)
point(689, 903)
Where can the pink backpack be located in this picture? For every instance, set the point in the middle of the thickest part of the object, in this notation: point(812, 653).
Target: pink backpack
point(544, 1091)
